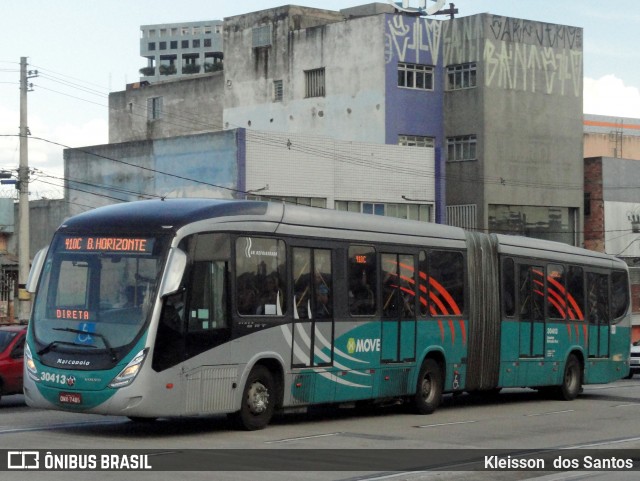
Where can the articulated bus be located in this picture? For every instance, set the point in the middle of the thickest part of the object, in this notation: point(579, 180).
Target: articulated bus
point(189, 307)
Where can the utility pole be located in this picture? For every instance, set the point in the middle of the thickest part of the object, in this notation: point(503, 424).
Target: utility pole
point(24, 299)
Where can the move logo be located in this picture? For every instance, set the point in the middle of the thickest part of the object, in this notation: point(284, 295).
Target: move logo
point(363, 345)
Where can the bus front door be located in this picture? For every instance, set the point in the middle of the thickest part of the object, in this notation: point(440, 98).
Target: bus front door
point(313, 327)
point(398, 334)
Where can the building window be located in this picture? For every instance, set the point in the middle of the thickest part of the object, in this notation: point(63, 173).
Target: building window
point(420, 212)
point(163, 45)
point(461, 148)
point(207, 42)
point(152, 45)
point(154, 108)
point(416, 141)
point(185, 44)
point(277, 91)
point(196, 43)
point(461, 76)
point(174, 44)
point(320, 202)
point(414, 76)
point(314, 82)
point(541, 222)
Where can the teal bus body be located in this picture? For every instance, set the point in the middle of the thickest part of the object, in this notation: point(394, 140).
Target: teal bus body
point(190, 307)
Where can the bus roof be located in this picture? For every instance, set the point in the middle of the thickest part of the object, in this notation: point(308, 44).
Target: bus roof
point(159, 215)
point(152, 216)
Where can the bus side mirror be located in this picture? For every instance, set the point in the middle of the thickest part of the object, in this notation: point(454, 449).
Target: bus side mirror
point(176, 265)
point(36, 269)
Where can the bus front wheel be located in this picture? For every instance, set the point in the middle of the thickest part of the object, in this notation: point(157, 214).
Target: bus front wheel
point(429, 387)
point(258, 398)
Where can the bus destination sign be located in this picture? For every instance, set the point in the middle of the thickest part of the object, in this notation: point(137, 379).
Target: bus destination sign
point(141, 245)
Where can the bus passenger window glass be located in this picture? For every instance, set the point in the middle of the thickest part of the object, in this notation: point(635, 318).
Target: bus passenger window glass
point(398, 286)
point(362, 280)
point(260, 275)
point(509, 287)
point(556, 299)
point(312, 284)
point(531, 293)
point(302, 284)
point(598, 298)
point(322, 284)
point(423, 285)
point(619, 294)
point(575, 293)
point(446, 283)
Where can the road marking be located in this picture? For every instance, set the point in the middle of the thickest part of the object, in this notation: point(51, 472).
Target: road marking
point(444, 424)
point(551, 412)
point(302, 438)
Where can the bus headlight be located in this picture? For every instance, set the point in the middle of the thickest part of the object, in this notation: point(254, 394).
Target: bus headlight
point(129, 373)
point(32, 370)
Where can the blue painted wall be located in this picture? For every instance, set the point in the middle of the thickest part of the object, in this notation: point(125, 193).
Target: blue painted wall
point(411, 111)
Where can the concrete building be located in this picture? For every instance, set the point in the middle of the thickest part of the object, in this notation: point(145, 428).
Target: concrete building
point(176, 50)
point(499, 100)
point(611, 187)
point(241, 163)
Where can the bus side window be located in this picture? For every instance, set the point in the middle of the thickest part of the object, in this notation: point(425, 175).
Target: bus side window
point(556, 292)
point(446, 283)
point(598, 298)
point(261, 266)
point(362, 280)
point(509, 287)
point(575, 293)
point(619, 294)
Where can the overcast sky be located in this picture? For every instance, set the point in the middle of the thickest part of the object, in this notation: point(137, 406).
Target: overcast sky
point(85, 49)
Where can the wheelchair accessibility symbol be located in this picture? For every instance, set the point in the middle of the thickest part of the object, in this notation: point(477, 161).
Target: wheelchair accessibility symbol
point(87, 329)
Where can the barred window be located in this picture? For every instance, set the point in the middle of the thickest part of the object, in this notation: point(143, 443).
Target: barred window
point(154, 108)
point(461, 148)
point(461, 76)
point(277, 91)
point(314, 82)
point(415, 76)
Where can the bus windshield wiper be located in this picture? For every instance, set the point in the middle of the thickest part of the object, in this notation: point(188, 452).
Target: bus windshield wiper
point(48, 347)
point(102, 337)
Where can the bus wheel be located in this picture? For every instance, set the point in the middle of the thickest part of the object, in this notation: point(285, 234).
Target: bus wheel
point(258, 400)
point(571, 381)
point(429, 387)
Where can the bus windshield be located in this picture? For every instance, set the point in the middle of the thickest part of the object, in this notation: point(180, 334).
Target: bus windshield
point(96, 292)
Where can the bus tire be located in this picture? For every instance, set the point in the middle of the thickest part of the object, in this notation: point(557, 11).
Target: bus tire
point(258, 400)
point(428, 388)
point(571, 380)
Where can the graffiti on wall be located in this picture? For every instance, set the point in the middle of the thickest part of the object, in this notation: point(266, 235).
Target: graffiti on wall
point(533, 56)
point(413, 39)
point(517, 54)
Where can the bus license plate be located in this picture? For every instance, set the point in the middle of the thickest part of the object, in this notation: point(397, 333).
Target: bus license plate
point(70, 398)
